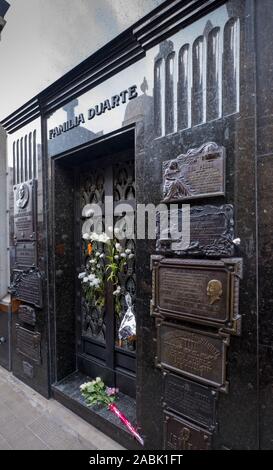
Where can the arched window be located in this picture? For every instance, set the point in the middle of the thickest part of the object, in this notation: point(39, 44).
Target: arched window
point(183, 88)
point(169, 93)
point(231, 67)
point(213, 73)
point(197, 81)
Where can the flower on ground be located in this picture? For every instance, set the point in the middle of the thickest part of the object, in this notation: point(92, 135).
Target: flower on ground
point(128, 251)
point(86, 236)
point(96, 393)
point(110, 391)
point(131, 256)
point(85, 386)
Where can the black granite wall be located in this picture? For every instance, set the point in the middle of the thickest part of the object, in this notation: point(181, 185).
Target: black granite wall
point(244, 414)
point(238, 410)
point(264, 28)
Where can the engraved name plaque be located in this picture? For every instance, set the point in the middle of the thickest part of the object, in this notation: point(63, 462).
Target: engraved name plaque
point(25, 254)
point(200, 291)
point(182, 435)
point(192, 400)
point(27, 286)
point(25, 195)
point(26, 314)
point(200, 231)
point(192, 353)
point(198, 173)
point(28, 343)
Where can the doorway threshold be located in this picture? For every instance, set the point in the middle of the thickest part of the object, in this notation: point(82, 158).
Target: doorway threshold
point(67, 392)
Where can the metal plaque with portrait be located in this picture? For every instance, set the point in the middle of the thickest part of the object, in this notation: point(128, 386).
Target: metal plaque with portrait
point(25, 207)
point(200, 291)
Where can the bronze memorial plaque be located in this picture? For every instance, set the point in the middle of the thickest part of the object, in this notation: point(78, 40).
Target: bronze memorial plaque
point(27, 286)
point(192, 400)
point(27, 314)
point(209, 231)
point(25, 254)
point(198, 173)
point(25, 204)
point(28, 343)
point(192, 353)
point(200, 291)
point(182, 435)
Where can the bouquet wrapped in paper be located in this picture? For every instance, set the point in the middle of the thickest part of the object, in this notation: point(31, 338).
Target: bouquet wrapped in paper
point(96, 392)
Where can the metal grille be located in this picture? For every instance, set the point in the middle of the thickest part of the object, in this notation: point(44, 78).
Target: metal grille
point(25, 158)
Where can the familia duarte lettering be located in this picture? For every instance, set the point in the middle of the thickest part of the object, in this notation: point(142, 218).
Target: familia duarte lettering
point(97, 110)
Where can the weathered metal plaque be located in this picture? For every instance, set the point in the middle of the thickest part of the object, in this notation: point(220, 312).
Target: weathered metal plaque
point(182, 435)
point(198, 173)
point(28, 343)
point(25, 254)
point(192, 400)
point(27, 314)
point(192, 353)
point(27, 286)
point(28, 369)
point(200, 291)
point(25, 204)
point(198, 231)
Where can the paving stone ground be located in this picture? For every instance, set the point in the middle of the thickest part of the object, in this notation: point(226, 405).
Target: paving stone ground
point(29, 421)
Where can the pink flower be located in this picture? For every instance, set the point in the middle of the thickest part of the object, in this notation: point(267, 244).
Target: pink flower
point(110, 391)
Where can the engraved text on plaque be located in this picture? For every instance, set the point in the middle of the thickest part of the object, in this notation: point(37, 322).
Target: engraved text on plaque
point(192, 353)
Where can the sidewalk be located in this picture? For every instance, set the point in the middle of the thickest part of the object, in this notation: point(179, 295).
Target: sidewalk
point(30, 422)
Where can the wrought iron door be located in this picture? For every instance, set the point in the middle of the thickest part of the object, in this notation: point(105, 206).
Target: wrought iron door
point(100, 352)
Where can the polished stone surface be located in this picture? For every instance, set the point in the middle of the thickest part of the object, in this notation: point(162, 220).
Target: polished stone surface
point(70, 386)
point(237, 119)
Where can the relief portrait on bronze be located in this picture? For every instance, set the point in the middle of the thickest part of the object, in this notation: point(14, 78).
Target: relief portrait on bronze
point(22, 196)
point(214, 291)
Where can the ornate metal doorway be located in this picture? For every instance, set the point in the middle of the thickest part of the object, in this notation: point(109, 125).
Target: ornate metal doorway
point(100, 351)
